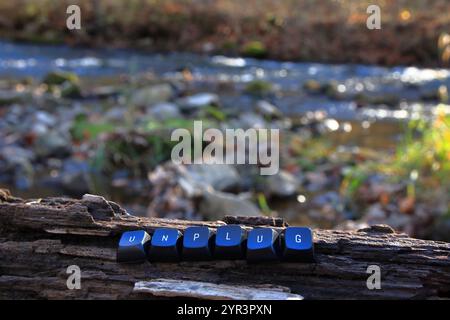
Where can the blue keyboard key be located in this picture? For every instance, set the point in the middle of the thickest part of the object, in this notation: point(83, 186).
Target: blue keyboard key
point(197, 243)
point(230, 242)
point(297, 244)
point(133, 246)
point(165, 245)
point(262, 245)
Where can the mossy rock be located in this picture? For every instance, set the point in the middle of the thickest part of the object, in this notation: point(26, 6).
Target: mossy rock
point(58, 78)
point(330, 89)
point(312, 86)
point(254, 49)
point(67, 83)
point(70, 90)
point(259, 88)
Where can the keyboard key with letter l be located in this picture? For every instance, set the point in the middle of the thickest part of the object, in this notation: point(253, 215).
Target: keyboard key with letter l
point(197, 243)
point(298, 244)
point(262, 245)
point(230, 242)
point(165, 245)
point(133, 246)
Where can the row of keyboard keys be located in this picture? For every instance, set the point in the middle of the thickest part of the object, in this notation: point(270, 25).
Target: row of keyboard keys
point(228, 242)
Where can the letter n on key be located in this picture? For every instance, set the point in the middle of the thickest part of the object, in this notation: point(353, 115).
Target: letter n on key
point(165, 245)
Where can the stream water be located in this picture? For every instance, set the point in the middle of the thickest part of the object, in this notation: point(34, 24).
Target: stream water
point(407, 84)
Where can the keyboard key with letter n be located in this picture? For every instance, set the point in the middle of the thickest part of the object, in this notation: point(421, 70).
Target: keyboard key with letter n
point(165, 245)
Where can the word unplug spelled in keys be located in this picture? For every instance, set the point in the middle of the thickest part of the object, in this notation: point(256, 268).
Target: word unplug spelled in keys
point(231, 242)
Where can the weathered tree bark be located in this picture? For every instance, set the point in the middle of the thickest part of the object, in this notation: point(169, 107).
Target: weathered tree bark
point(40, 239)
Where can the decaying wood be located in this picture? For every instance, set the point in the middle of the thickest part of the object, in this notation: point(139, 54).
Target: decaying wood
point(39, 239)
point(212, 291)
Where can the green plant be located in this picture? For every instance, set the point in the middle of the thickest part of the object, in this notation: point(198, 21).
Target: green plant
point(139, 152)
point(422, 160)
point(354, 177)
point(262, 203)
point(83, 129)
point(426, 148)
point(215, 113)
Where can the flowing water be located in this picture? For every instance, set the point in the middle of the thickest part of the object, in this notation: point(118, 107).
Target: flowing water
point(407, 84)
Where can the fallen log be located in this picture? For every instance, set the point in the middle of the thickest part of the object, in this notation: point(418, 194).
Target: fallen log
point(39, 239)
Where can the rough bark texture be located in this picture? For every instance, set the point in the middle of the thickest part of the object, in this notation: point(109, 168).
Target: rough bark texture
point(40, 239)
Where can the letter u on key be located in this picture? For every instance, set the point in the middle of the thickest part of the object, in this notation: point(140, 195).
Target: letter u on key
point(132, 246)
point(262, 245)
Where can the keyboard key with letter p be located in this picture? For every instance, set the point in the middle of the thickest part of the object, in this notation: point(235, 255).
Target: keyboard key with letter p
point(197, 243)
